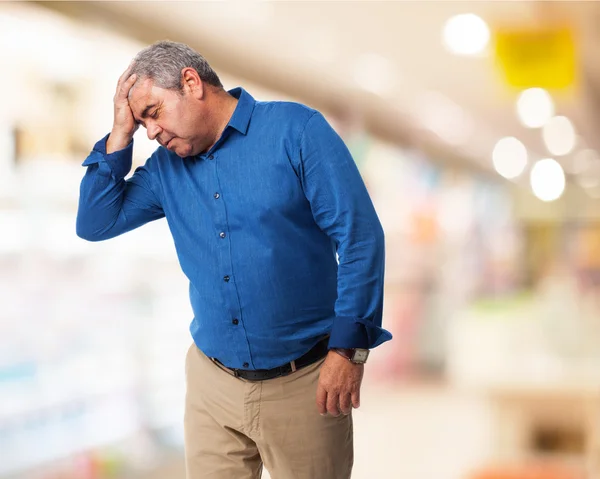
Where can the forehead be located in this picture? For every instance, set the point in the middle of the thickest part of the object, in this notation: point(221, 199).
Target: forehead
point(144, 93)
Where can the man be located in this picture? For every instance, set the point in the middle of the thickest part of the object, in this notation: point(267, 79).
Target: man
point(259, 197)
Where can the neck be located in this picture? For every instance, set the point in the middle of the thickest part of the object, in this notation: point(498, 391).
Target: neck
point(222, 109)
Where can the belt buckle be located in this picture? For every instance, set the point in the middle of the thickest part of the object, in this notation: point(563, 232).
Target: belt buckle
point(236, 373)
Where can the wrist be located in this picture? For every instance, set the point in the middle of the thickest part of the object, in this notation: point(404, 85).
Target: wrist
point(117, 141)
point(354, 355)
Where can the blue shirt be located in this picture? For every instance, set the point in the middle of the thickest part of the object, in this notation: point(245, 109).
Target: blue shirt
point(257, 221)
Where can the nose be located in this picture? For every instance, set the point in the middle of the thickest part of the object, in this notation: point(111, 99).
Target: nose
point(153, 130)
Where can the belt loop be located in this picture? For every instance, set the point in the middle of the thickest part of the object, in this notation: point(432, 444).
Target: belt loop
point(293, 364)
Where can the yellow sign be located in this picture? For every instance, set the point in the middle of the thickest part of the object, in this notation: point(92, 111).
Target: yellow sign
point(542, 58)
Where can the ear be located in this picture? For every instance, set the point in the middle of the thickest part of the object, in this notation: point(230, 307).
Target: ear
point(192, 83)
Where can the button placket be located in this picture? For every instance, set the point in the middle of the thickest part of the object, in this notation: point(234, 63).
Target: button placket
point(229, 289)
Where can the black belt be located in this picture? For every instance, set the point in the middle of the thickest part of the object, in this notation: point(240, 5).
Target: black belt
point(317, 352)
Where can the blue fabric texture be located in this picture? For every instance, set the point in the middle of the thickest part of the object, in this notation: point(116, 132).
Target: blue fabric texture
point(257, 221)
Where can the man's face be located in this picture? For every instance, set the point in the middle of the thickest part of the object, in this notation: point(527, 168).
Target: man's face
point(173, 118)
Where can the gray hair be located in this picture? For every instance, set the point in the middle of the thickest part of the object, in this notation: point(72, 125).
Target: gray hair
point(163, 61)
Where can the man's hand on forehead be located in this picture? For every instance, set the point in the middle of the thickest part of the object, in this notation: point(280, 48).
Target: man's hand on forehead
point(124, 124)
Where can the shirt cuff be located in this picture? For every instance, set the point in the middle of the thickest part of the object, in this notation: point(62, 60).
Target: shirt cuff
point(356, 333)
point(119, 161)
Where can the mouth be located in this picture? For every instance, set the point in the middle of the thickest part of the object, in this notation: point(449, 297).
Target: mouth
point(168, 144)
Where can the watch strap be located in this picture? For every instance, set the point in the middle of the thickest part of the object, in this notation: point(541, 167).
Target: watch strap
point(349, 354)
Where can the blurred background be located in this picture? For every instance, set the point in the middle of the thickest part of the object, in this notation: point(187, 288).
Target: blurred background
point(475, 126)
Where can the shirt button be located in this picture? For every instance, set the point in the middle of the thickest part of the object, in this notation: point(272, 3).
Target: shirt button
point(211, 157)
point(222, 234)
point(217, 196)
point(246, 365)
point(226, 279)
point(235, 321)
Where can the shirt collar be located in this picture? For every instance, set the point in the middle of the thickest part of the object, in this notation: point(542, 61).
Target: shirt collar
point(243, 111)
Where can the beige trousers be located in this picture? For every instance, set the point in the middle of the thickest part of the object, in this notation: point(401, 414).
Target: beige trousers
point(233, 426)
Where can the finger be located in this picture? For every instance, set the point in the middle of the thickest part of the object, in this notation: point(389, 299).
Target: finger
point(322, 400)
point(123, 91)
point(356, 399)
point(333, 401)
point(345, 403)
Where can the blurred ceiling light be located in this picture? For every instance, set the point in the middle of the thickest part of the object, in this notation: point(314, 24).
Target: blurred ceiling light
point(509, 157)
point(587, 182)
point(547, 179)
point(582, 161)
point(585, 161)
point(559, 135)
point(445, 118)
point(465, 34)
point(586, 168)
point(374, 73)
point(535, 107)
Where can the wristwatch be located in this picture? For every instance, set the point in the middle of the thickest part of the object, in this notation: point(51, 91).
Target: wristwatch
point(356, 356)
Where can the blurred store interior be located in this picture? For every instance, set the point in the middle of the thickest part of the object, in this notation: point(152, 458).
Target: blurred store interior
point(475, 126)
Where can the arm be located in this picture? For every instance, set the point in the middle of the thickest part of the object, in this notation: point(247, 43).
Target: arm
point(109, 205)
point(343, 210)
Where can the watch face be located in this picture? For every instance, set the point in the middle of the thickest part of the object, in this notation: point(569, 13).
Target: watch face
point(360, 355)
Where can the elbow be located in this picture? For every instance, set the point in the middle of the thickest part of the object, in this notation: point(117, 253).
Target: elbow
point(85, 232)
point(86, 235)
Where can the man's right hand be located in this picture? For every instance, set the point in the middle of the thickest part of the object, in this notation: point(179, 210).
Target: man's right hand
point(124, 124)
